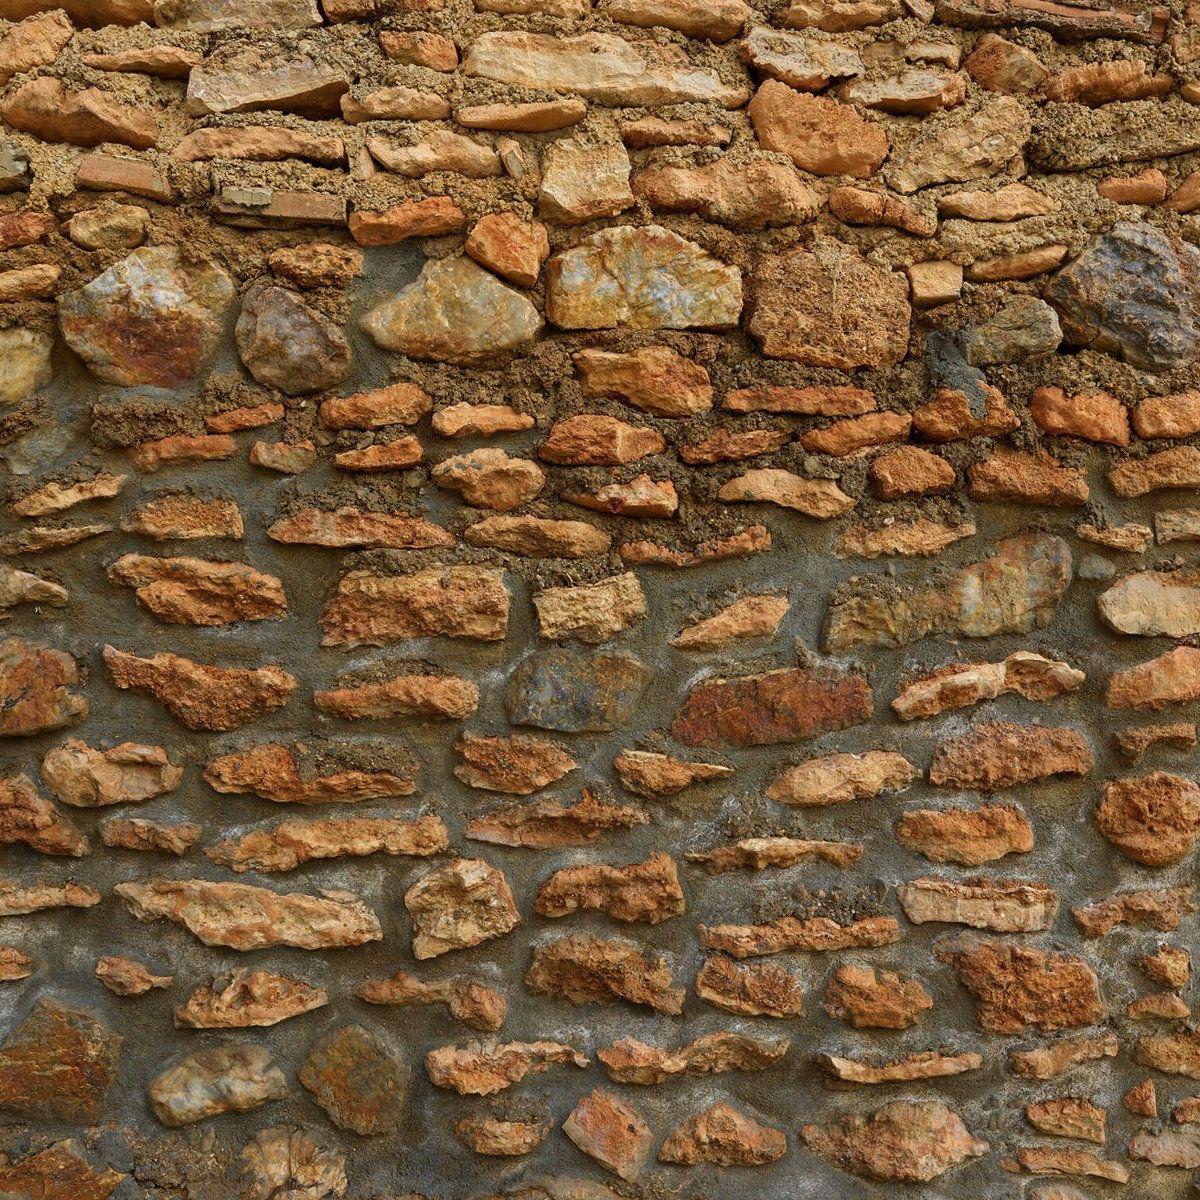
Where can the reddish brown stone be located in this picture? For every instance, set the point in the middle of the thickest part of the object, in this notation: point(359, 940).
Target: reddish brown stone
point(647, 891)
point(474, 1004)
point(789, 933)
point(1003, 754)
point(35, 689)
point(724, 1137)
point(44, 108)
point(1095, 416)
point(610, 1131)
point(587, 970)
point(482, 1069)
point(867, 998)
point(966, 837)
point(950, 417)
point(1153, 819)
point(549, 823)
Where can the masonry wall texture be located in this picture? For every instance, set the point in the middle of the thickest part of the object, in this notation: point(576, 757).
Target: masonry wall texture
point(601, 599)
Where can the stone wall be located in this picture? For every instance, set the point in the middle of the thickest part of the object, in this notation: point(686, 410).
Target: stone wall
point(600, 599)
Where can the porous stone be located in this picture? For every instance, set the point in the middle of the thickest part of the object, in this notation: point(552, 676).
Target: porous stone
point(357, 1079)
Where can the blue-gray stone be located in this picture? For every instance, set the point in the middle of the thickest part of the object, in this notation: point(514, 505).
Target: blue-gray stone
point(573, 692)
point(1132, 294)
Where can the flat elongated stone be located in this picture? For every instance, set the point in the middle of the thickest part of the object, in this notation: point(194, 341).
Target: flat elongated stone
point(780, 706)
point(183, 516)
point(358, 1080)
point(548, 823)
point(58, 1064)
point(202, 696)
point(489, 1135)
point(538, 537)
point(285, 846)
point(54, 497)
point(456, 602)
point(803, 63)
point(648, 773)
point(587, 970)
point(827, 306)
point(599, 67)
point(248, 998)
point(1171, 678)
point(1005, 906)
point(913, 1142)
point(1004, 754)
point(819, 498)
point(474, 1004)
point(838, 778)
point(211, 16)
point(565, 690)
point(1016, 590)
point(193, 591)
point(632, 1061)
point(1154, 322)
point(252, 918)
point(749, 989)
point(354, 528)
point(154, 318)
point(789, 933)
point(929, 1064)
point(430, 696)
point(724, 1137)
point(647, 891)
point(274, 772)
point(645, 278)
point(246, 79)
point(209, 1082)
point(35, 689)
point(456, 312)
point(487, 1068)
point(17, 899)
point(760, 852)
point(960, 685)
point(462, 904)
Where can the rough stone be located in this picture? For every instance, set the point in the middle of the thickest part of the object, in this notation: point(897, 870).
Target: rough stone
point(572, 692)
point(589, 970)
point(287, 344)
point(1004, 754)
point(484, 1068)
point(611, 1131)
point(838, 778)
point(474, 1004)
point(357, 1079)
point(459, 905)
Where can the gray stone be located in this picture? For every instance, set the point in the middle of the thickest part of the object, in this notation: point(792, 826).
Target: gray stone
point(208, 16)
point(576, 693)
point(1132, 294)
point(14, 168)
point(287, 344)
point(209, 1082)
point(154, 317)
point(1112, 134)
point(1024, 328)
point(357, 1080)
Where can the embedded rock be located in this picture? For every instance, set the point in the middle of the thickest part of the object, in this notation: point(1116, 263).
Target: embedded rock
point(867, 998)
point(287, 1164)
point(590, 612)
point(1003, 754)
point(274, 772)
point(210, 1082)
point(838, 778)
point(646, 773)
point(287, 344)
point(248, 998)
point(565, 690)
point(24, 364)
point(1006, 906)
point(519, 765)
point(357, 1079)
point(960, 685)
point(965, 837)
point(1153, 603)
point(631, 1061)
point(474, 1004)
point(489, 478)
point(586, 970)
point(154, 317)
point(610, 1131)
point(194, 591)
point(1153, 819)
point(459, 905)
point(353, 528)
point(723, 1137)
point(550, 823)
point(35, 689)
point(29, 818)
point(647, 891)
point(749, 989)
point(484, 1068)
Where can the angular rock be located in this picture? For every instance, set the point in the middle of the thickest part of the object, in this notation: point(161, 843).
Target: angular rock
point(285, 846)
point(1158, 908)
point(90, 117)
point(1171, 1053)
point(317, 264)
point(867, 998)
point(1175, 468)
point(519, 765)
point(474, 1004)
point(612, 1132)
point(57, 1064)
point(252, 918)
point(829, 307)
point(1005, 906)
point(1171, 678)
point(590, 612)
point(208, 1083)
point(201, 696)
point(154, 317)
point(929, 1064)
point(30, 819)
point(274, 772)
point(1153, 819)
point(441, 150)
point(1151, 603)
point(588, 970)
point(259, 144)
point(453, 312)
point(35, 689)
point(963, 836)
point(193, 591)
point(908, 538)
point(597, 66)
point(648, 891)
point(287, 344)
point(16, 899)
point(394, 104)
point(287, 1163)
point(778, 707)
point(1018, 987)
point(14, 965)
point(643, 278)
point(466, 902)
point(639, 497)
point(1071, 1116)
point(1049, 1061)
point(248, 998)
point(631, 1061)
point(357, 1079)
point(751, 617)
point(838, 778)
point(594, 440)
point(548, 823)
point(125, 977)
point(509, 247)
point(818, 498)
point(247, 79)
point(480, 420)
point(801, 62)
point(751, 989)
point(646, 773)
point(489, 478)
point(724, 1137)
point(484, 1068)
point(456, 602)
point(565, 690)
point(584, 182)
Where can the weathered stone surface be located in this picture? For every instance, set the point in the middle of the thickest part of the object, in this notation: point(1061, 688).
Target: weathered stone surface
point(194, 591)
point(1071, 1116)
point(595, 440)
point(1178, 467)
point(209, 1082)
point(60, 1171)
point(647, 773)
point(24, 364)
point(198, 695)
point(35, 689)
point(827, 306)
point(1171, 1053)
point(1154, 323)
point(588, 970)
point(154, 317)
point(1005, 906)
point(1153, 819)
point(483, 1069)
point(14, 965)
point(964, 836)
point(357, 1079)
point(819, 498)
point(182, 516)
point(597, 66)
point(760, 852)
point(612, 1132)
point(1171, 678)
point(780, 706)
point(838, 778)
point(920, 537)
point(289, 1164)
point(910, 1141)
point(454, 312)
point(639, 497)
point(89, 117)
point(648, 891)
point(960, 685)
point(1046, 1062)
point(1018, 987)
point(16, 898)
point(590, 612)
point(724, 1137)
point(632, 1061)
point(489, 478)
point(519, 765)
point(751, 617)
point(584, 181)
point(489, 1135)
point(287, 344)
point(1153, 908)
point(480, 420)
point(250, 918)
point(973, 143)
point(57, 1064)
point(30, 819)
point(1169, 1148)
point(474, 1004)
point(538, 537)
point(1151, 603)
point(285, 846)
point(276, 772)
point(125, 977)
point(345, 528)
point(248, 998)
point(455, 602)
point(566, 690)
point(429, 696)
point(158, 453)
point(789, 932)
point(441, 150)
point(461, 904)
point(801, 62)
point(550, 823)
point(1003, 754)
point(644, 278)
point(749, 989)
point(867, 998)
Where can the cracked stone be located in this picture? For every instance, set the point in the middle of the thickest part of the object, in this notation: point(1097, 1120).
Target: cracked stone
point(466, 902)
point(484, 1068)
point(648, 891)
